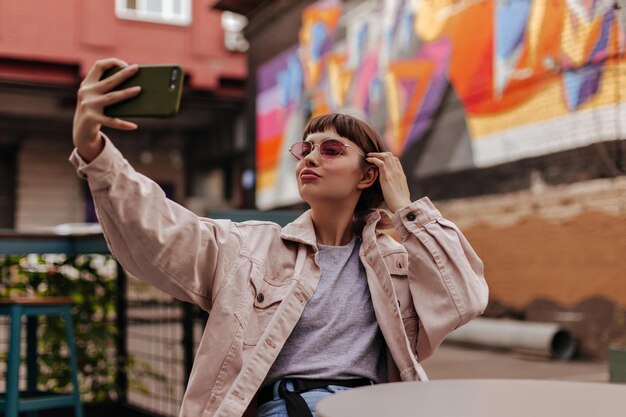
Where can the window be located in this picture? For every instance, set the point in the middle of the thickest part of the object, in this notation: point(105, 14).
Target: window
point(174, 12)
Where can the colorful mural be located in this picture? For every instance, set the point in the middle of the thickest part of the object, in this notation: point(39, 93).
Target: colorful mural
point(532, 77)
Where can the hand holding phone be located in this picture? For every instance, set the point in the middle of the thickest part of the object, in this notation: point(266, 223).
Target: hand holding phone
point(161, 89)
point(93, 95)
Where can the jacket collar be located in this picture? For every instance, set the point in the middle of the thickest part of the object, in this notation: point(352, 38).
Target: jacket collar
point(302, 230)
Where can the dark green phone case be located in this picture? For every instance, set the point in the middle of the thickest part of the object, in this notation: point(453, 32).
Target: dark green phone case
point(160, 92)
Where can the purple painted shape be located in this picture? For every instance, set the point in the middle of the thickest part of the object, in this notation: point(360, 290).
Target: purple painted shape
point(581, 84)
point(431, 103)
point(438, 53)
point(600, 51)
point(590, 84)
point(268, 72)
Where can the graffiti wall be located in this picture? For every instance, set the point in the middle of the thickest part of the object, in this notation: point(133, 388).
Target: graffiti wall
point(529, 77)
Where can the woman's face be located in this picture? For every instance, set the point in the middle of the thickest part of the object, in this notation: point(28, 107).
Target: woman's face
point(325, 180)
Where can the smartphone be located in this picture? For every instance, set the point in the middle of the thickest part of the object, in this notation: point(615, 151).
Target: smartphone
point(161, 89)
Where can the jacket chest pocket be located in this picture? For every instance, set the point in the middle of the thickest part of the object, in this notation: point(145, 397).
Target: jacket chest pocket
point(398, 266)
point(256, 312)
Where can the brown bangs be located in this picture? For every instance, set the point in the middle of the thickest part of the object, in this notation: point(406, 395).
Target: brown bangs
point(348, 127)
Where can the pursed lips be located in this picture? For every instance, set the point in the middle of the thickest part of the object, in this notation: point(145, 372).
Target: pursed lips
point(308, 174)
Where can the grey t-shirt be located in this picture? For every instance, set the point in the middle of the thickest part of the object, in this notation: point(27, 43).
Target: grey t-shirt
point(337, 336)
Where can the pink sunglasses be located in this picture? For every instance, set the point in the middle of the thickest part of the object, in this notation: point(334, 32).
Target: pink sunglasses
point(329, 149)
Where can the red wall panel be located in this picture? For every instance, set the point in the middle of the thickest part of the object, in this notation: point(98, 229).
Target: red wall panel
point(81, 32)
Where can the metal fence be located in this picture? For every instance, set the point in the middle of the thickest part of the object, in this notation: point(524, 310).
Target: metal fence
point(155, 341)
point(161, 337)
point(156, 336)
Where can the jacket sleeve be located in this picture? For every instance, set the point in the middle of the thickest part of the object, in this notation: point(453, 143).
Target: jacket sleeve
point(445, 274)
point(154, 238)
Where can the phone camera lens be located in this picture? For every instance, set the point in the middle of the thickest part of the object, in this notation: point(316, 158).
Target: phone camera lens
point(173, 78)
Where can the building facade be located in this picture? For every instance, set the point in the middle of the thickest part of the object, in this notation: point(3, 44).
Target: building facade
point(45, 51)
point(509, 114)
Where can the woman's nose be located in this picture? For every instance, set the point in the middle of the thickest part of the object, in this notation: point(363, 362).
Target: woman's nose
point(310, 161)
point(313, 156)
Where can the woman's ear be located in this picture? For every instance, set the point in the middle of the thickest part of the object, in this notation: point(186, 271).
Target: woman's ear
point(368, 177)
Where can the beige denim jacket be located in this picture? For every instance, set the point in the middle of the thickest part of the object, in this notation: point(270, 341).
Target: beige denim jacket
point(255, 279)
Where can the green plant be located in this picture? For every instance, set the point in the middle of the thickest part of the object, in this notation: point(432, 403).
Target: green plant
point(90, 280)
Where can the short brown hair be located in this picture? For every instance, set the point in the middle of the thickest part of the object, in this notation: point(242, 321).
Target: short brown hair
point(361, 133)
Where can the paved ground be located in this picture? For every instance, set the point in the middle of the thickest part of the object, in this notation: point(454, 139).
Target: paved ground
point(456, 362)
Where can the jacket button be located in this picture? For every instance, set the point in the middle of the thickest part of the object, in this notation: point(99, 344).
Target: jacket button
point(260, 297)
point(411, 216)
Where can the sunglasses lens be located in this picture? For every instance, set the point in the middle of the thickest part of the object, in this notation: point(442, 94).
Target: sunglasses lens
point(331, 148)
point(300, 149)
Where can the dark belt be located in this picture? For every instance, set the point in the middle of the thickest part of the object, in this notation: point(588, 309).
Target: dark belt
point(296, 406)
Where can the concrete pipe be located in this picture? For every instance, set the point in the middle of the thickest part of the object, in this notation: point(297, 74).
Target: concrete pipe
point(547, 339)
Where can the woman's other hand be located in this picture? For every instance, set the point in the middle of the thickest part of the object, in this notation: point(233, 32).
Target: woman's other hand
point(392, 179)
point(93, 96)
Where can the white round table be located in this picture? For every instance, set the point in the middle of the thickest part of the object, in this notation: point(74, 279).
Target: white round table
point(478, 398)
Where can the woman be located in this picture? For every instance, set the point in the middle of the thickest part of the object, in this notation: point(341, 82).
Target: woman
point(327, 303)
